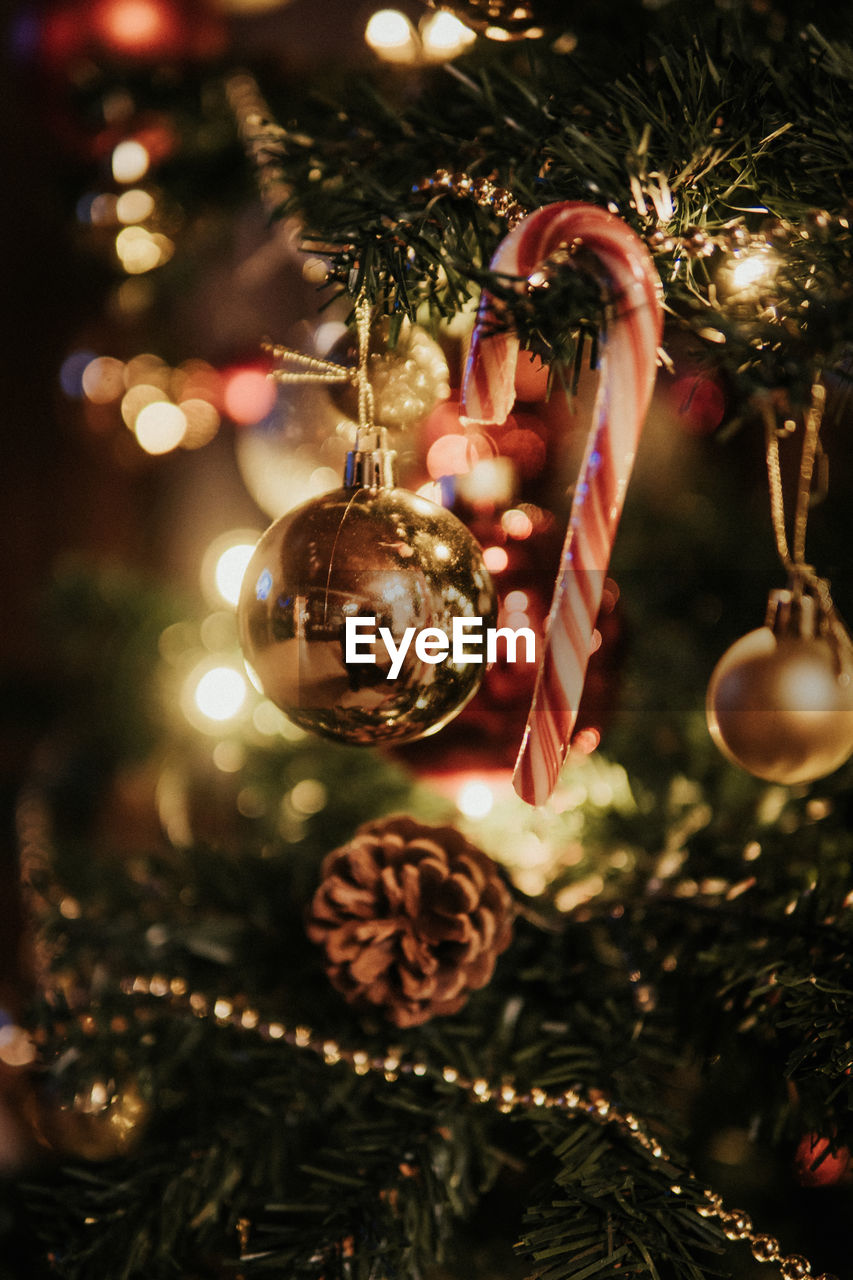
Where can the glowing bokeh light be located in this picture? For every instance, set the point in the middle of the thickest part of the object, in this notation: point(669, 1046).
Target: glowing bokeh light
point(516, 601)
point(586, 741)
point(495, 559)
point(390, 34)
point(752, 268)
point(137, 28)
point(475, 799)
point(16, 1047)
point(196, 380)
point(230, 568)
point(148, 369)
point(134, 206)
point(130, 161)
point(137, 399)
point(141, 250)
point(248, 396)
point(202, 423)
point(103, 380)
point(71, 372)
point(223, 565)
point(449, 456)
point(160, 427)
point(444, 36)
point(229, 757)
point(516, 524)
point(308, 796)
point(220, 693)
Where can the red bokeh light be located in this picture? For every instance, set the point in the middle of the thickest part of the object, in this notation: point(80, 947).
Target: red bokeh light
point(248, 395)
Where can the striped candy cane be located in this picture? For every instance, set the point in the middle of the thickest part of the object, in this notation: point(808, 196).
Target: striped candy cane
point(620, 260)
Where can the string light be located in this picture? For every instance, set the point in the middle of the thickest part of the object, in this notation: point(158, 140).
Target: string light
point(444, 37)
point(391, 35)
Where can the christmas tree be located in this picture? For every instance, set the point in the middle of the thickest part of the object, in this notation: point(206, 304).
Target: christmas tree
point(395, 963)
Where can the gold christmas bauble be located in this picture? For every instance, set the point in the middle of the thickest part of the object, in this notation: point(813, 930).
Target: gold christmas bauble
point(780, 701)
point(408, 379)
point(90, 1131)
point(392, 560)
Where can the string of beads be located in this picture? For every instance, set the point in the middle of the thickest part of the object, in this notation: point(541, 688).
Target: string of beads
point(505, 1096)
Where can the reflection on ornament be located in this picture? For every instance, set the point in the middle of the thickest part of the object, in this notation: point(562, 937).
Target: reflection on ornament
point(698, 403)
point(408, 380)
point(780, 700)
point(380, 553)
point(818, 1163)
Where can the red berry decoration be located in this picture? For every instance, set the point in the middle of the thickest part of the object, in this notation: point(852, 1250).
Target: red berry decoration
point(412, 919)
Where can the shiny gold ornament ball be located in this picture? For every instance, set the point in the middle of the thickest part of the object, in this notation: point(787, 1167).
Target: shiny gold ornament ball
point(781, 706)
point(86, 1132)
point(408, 379)
point(384, 554)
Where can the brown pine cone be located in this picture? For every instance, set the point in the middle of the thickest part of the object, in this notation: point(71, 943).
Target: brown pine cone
point(412, 919)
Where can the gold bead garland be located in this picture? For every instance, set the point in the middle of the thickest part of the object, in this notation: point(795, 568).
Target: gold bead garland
point(505, 1096)
point(42, 892)
point(482, 191)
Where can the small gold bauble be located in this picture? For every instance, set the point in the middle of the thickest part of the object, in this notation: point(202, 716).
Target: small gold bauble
point(408, 380)
point(381, 553)
point(780, 700)
point(94, 1132)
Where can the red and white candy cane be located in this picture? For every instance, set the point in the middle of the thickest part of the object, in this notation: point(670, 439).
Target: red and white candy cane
point(609, 249)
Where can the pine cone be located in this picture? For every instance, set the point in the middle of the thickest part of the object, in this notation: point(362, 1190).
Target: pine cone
point(412, 919)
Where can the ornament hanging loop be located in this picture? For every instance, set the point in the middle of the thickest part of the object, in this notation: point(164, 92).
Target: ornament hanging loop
point(371, 464)
point(803, 582)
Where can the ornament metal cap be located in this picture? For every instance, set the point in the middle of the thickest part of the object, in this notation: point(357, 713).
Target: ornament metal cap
point(371, 464)
point(793, 613)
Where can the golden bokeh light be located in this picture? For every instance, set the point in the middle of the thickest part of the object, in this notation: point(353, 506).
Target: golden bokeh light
point(138, 398)
point(443, 36)
point(220, 693)
point(134, 206)
point(160, 427)
point(202, 423)
point(140, 250)
point(130, 161)
point(103, 380)
point(390, 34)
point(475, 799)
point(224, 563)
